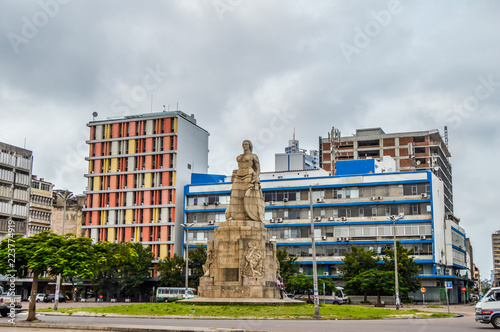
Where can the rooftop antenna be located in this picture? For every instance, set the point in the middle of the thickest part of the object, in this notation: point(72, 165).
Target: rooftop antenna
point(163, 108)
point(177, 106)
point(446, 136)
point(94, 115)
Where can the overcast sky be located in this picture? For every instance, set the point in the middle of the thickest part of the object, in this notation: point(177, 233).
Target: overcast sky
point(259, 69)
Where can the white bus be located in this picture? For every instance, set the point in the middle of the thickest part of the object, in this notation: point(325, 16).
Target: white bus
point(170, 294)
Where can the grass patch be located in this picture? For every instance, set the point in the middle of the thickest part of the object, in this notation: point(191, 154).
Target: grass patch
point(434, 306)
point(328, 311)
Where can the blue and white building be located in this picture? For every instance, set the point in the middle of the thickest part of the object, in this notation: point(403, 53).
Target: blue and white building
point(347, 210)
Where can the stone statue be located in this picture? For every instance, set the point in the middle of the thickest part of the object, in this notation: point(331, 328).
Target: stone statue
point(208, 263)
point(241, 258)
point(247, 202)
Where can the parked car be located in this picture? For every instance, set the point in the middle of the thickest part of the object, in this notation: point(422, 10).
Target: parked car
point(51, 298)
point(39, 297)
point(488, 309)
point(6, 301)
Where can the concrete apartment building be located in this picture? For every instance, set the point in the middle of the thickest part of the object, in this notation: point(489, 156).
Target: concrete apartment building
point(15, 177)
point(495, 242)
point(138, 167)
point(40, 206)
point(296, 158)
point(348, 210)
point(419, 150)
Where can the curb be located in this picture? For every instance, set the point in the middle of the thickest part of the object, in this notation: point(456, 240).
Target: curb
point(122, 329)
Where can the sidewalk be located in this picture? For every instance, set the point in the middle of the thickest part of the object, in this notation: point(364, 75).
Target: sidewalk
point(459, 309)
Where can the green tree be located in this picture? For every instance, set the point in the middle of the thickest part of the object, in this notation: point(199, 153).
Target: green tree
point(197, 258)
point(171, 271)
point(407, 269)
point(77, 259)
point(45, 252)
point(373, 280)
point(288, 264)
point(302, 284)
point(356, 262)
point(485, 285)
point(110, 258)
point(135, 270)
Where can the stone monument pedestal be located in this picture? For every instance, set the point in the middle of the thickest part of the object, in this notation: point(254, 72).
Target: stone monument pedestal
point(241, 262)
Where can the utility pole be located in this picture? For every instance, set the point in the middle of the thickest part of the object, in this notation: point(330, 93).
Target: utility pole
point(65, 195)
point(396, 277)
point(187, 227)
point(315, 268)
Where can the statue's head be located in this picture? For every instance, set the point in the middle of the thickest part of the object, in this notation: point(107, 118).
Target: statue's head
point(247, 142)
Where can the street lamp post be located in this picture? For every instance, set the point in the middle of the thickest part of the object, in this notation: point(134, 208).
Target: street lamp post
point(315, 269)
point(396, 278)
point(65, 195)
point(187, 227)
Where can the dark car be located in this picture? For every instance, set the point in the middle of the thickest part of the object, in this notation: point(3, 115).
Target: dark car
point(51, 298)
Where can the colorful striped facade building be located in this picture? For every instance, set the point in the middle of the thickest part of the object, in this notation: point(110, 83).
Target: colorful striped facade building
point(138, 166)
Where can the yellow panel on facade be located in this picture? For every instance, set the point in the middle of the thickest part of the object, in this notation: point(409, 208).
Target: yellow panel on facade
point(174, 178)
point(131, 146)
point(129, 216)
point(114, 165)
point(175, 125)
point(97, 183)
point(107, 131)
point(163, 250)
point(148, 180)
point(103, 217)
point(105, 166)
point(91, 165)
point(111, 234)
point(155, 214)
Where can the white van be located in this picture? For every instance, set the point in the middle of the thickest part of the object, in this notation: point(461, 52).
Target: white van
point(488, 308)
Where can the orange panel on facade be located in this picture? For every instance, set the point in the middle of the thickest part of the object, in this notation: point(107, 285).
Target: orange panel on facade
point(146, 215)
point(147, 197)
point(132, 130)
point(149, 144)
point(128, 234)
point(168, 125)
point(115, 130)
point(95, 217)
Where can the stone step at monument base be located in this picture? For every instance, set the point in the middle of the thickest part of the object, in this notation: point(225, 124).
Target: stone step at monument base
point(239, 291)
point(242, 301)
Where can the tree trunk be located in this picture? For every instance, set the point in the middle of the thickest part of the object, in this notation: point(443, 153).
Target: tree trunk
point(379, 303)
point(32, 304)
point(73, 289)
point(366, 297)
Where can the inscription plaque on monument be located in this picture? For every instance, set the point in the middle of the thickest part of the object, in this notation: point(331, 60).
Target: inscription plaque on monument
point(241, 259)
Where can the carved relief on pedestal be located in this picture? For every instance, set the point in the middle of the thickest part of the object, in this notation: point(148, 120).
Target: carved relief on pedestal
point(253, 265)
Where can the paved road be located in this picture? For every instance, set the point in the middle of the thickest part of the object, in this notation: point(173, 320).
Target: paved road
point(460, 324)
